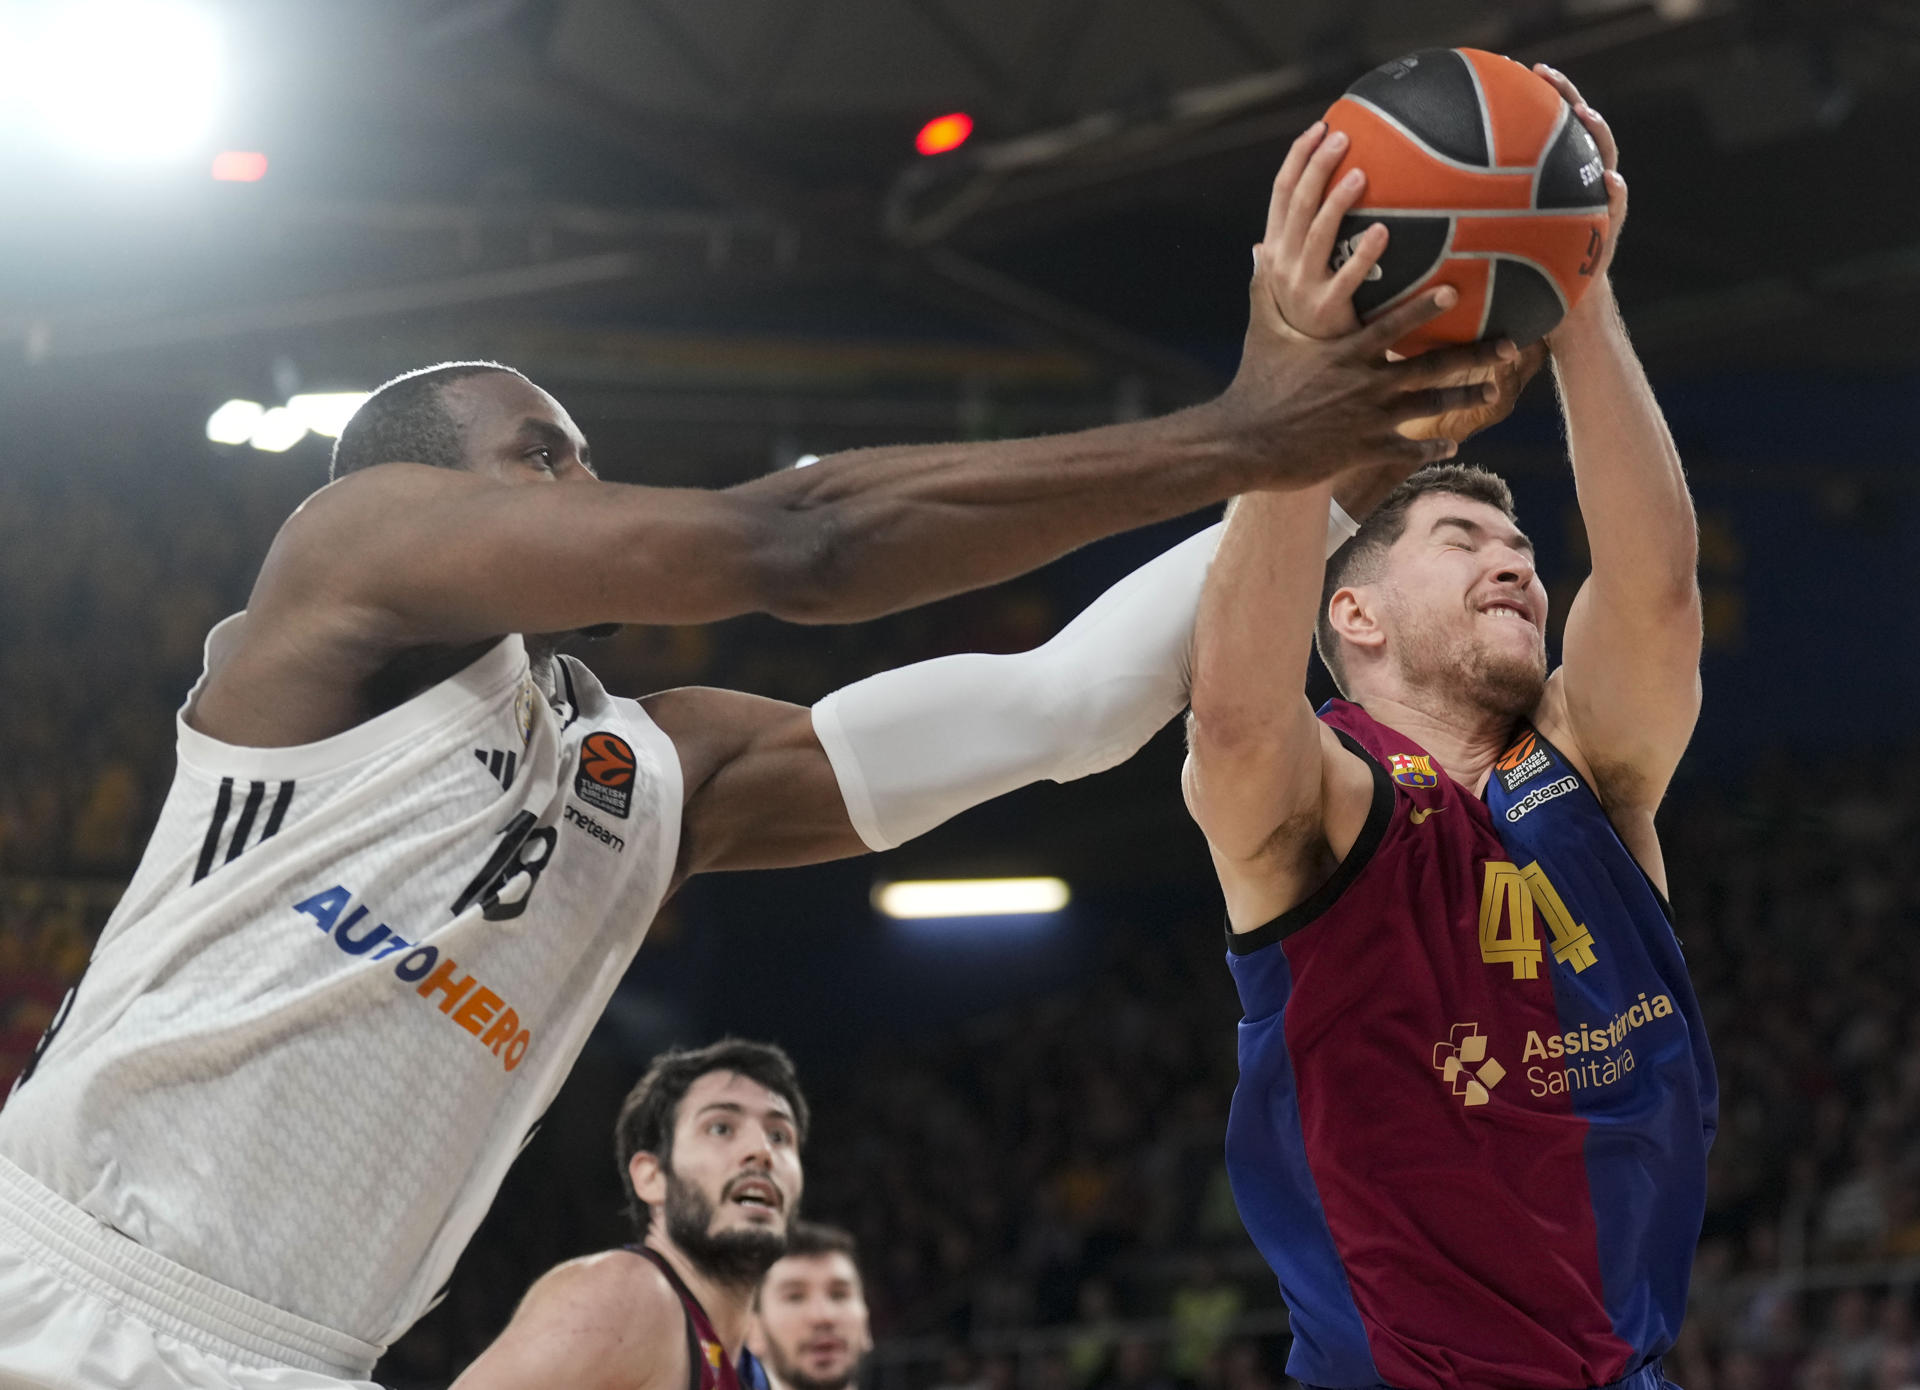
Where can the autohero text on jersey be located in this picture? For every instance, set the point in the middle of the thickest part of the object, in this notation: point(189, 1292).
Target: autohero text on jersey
point(462, 998)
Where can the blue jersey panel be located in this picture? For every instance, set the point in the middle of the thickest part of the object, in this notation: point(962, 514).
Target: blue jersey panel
point(1629, 1017)
point(1274, 1187)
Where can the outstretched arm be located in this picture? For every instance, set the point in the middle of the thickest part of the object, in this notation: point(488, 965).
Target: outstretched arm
point(402, 555)
point(1278, 797)
point(1629, 689)
point(890, 757)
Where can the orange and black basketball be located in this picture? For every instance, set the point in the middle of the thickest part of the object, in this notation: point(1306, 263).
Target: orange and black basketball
point(1485, 180)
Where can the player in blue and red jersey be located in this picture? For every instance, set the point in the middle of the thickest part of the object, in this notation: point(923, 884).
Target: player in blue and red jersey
point(1475, 1102)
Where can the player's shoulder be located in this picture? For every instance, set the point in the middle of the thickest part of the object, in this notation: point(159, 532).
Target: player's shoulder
point(601, 1322)
point(615, 1303)
point(612, 1280)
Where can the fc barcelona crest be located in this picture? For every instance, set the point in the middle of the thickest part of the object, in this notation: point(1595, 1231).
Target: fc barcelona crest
point(1412, 769)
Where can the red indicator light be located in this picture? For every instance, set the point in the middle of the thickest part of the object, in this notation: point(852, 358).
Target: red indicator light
point(239, 166)
point(944, 133)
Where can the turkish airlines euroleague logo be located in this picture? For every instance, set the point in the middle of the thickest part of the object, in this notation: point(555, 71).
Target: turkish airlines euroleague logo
point(605, 779)
point(1522, 763)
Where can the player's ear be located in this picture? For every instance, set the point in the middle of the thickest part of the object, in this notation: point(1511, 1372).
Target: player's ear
point(649, 1178)
point(1353, 613)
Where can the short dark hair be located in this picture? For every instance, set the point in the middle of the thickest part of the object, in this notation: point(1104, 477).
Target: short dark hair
point(406, 421)
point(1359, 561)
point(811, 1239)
point(818, 1238)
point(648, 1114)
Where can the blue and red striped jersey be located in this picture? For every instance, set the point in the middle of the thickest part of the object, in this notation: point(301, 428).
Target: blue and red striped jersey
point(1475, 1099)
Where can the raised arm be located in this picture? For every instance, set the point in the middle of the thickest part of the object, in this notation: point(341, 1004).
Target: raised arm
point(1629, 689)
point(1279, 798)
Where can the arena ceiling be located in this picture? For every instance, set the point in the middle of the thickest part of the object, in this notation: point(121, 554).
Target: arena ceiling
point(705, 216)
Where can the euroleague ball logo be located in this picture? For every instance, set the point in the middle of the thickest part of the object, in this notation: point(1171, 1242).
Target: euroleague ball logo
point(605, 779)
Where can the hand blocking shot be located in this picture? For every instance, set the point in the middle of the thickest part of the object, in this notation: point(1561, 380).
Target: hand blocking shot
point(1475, 1096)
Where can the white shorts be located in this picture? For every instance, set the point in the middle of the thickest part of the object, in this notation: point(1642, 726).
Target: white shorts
point(81, 1306)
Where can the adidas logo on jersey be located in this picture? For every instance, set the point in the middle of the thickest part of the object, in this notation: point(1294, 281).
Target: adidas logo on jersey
point(499, 763)
point(243, 826)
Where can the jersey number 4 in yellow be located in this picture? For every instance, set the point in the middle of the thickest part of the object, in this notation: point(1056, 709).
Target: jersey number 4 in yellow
point(1510, 897)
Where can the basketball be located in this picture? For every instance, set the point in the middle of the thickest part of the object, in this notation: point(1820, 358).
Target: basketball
point(1485, 180)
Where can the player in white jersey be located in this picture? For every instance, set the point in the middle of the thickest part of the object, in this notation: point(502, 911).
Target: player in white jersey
point(408, 851)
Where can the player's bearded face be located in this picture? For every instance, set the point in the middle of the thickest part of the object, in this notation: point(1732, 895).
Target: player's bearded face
point(735, 1256)
point(1445, 642)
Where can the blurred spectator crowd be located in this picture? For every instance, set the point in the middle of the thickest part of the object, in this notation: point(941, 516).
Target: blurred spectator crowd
point(1041, 1198)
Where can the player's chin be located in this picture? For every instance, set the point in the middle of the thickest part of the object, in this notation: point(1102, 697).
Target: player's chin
point(1512, 683)
point(751, 1219)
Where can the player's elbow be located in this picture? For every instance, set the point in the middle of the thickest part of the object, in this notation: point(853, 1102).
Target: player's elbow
point(808, 566)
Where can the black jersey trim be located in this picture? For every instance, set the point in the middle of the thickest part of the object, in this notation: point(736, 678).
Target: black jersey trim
point(573, 700)
point(1317, 904)
point(694, 1354)
point(221, 805)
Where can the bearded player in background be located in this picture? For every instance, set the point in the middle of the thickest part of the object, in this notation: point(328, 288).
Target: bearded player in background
point(708, 1143)
point(810, 1329)
point(1475, 1097)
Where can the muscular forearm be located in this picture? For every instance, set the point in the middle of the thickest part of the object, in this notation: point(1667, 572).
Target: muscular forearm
point(1252, 763)
point(1256, 617)
point(1632, 489)
point(895, 527)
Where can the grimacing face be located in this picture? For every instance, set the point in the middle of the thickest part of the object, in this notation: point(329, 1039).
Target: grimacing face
point(1461, 606)
point(811, 1322)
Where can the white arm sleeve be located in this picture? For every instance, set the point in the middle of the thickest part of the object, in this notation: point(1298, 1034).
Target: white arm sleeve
point(916, 746)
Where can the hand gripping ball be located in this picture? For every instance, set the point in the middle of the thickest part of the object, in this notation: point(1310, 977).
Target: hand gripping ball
point(1485, 180)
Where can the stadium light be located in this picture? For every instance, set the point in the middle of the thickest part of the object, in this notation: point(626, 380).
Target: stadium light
point(239, 166)
point(278, 430)
point(326, 412)
point(971, 897)
point(806, 460)
point(118, 79)
point(943, 133)
point(233, 423)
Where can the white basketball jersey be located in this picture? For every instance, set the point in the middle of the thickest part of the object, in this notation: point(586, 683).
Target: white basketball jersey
point(346, 981)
